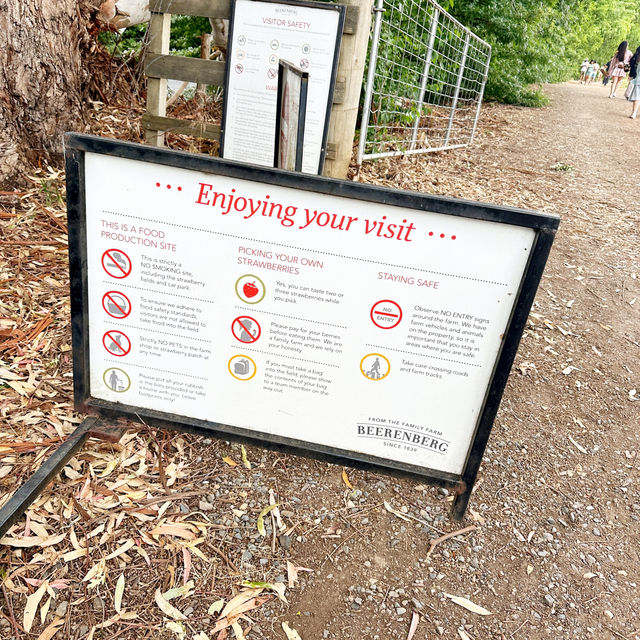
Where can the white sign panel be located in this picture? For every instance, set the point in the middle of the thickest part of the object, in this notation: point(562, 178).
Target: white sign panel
point(262, 34)
point(356, 325)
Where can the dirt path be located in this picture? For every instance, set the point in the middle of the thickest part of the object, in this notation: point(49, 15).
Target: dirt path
point(557, 508)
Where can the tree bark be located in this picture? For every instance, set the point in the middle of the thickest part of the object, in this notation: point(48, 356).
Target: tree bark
point(41, 80)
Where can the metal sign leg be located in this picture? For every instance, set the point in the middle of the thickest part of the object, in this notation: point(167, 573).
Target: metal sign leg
point(29, 491)
point(461, 501)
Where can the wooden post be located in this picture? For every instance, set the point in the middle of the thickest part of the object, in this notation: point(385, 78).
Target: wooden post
point(159, 33)
point(205, 54)
point(353, 53)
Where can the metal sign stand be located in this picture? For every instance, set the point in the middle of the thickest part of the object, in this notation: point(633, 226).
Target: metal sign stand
point(19, 502)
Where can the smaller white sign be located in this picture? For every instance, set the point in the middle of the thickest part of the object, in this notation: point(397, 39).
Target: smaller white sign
point(308, 35)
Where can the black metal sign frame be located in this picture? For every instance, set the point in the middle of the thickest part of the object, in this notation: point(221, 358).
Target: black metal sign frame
point(76, 145)
point(285, 68)
point(341, 9)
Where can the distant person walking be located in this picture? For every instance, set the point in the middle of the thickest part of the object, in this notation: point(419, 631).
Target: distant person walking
point(634, 84)
point(604, 70)
point(583, 70)
point(617, 67)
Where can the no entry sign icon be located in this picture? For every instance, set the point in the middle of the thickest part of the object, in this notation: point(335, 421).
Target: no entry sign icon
point(386, 314)
point(246, 329)
point(116, 304)
point(116, 263)
point(116, 343)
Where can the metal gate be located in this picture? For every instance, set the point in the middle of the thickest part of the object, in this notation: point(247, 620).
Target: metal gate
point(425, 80)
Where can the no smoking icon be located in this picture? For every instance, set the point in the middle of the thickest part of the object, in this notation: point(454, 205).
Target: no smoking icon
point(386, 314)
point(246, 329)
point(116, 263)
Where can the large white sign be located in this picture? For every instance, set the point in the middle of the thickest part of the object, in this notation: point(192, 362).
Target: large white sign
point(262, 34)
point(356, 325)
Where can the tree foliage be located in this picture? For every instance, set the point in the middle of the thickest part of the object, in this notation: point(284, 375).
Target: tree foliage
point(533, 41)
point(536, 41)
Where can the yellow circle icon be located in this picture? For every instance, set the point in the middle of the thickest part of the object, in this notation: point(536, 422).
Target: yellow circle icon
point(242, 367)
point(375, 366)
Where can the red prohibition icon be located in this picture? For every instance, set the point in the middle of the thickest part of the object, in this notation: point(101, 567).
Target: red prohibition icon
point(116, 263)
point(386, 314)
point(116, 343)
point(116, 304)
point(246, 329)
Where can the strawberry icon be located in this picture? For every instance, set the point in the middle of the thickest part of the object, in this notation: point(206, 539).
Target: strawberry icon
point(250, 290)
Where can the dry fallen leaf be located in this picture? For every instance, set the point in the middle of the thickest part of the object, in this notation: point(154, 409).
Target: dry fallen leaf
point(230, 461)
point(52, 629)
point(261, 530)
point(245, 461)
point(345, 479)
point(395, 512)
point(37, 541)
point(215, 608)
point(415, 618)
point(176, 592)
point(178, 628)
point(96, 575)
point(44, 609)
point(117, 596)
point(292, 573)
point(277, 587)
point(291, 634)
point(236, 607)
point(468, 605)
point(463, 634)
point(176, 530)
point(238, 601)
point(32, 606)
point(168, 608)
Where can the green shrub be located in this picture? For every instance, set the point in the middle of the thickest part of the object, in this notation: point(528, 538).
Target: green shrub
point(185, 38)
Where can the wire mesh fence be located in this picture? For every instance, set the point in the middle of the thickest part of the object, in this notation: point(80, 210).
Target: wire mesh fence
point(425, 80)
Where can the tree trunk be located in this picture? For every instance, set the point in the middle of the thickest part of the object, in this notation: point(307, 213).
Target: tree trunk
point(41, 78)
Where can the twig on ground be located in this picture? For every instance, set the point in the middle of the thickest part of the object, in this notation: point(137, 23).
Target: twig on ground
point(446, 536)
point(16, 627)
point(224, 557)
